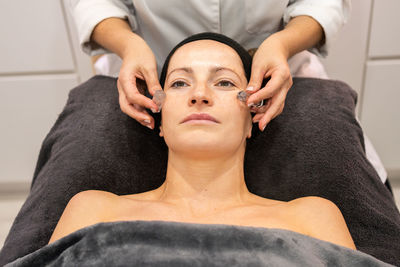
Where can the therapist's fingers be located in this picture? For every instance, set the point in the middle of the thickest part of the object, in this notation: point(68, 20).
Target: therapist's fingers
point(260, 112)
point(135, 111)
point(261, 109)
point(151, 78)
point(280, 79)
point(129, 83)
point(275, 108)
point(256, 79)
point(135, 96)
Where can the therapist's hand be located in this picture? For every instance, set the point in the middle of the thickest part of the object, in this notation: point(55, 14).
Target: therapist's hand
point(138, 70)
point(138, 65)
point(270, 60)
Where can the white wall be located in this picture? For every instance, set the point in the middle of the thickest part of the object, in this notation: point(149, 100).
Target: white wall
point(39, 65)
point(380, 108)
point(347, 56)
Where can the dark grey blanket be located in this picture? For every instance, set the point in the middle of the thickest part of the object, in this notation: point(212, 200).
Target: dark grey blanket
point(158, 243)
point(314, 148)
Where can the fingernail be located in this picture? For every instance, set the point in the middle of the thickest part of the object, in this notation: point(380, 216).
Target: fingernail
point(149, 126)
point(264, 128)
point(147, 121)
point(153, 110)
point(250, 88)
point(250, 104)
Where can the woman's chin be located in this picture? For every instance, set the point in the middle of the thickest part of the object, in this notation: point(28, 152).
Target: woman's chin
point(200, 137)
point(196, 139)
point(197, 144)
point(201, 145)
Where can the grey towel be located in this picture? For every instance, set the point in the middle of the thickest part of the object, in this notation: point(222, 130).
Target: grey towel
point(314, 148)
point(157, 243)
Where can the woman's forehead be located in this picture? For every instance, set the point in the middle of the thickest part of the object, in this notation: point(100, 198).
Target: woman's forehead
point(206, 53)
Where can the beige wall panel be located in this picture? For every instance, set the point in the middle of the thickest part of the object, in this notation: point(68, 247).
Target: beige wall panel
point(33, 37)
point(385, 30)
point(83, 61)
point(381, 110)
point(348, 54)
point(29, 106)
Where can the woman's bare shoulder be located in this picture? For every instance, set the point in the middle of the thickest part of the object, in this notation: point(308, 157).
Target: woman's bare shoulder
point(311, 202)
point(322, 219)
point(83, 209)
point(93, 195)
point(316, 208)
point(91, 202)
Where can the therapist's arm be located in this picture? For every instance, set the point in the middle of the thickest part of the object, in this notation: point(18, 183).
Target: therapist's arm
point(116, 35)
point(271, 60)
point(301, 33)
point(138, 61)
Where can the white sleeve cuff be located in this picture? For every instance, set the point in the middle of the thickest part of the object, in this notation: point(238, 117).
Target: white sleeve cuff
point(330, 14)
point(88, 13)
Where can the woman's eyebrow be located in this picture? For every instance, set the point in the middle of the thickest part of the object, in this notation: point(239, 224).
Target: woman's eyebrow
point(216, 69)
point(185, 69)
point(213, 70)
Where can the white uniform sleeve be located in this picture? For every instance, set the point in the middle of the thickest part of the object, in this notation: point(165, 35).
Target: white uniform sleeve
point(88, 13)
point(330, 14)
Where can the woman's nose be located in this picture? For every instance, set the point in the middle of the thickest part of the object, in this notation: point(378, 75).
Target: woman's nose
point(201, 96)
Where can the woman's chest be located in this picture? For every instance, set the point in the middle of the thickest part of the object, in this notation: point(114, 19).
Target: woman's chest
point(281, 218)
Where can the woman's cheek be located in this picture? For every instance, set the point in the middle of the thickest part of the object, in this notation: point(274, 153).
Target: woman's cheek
point(172, 108)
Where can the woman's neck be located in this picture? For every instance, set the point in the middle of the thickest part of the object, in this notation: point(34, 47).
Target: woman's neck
point(203, 186)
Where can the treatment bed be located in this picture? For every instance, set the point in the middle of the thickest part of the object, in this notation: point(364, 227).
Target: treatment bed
point(314, 148)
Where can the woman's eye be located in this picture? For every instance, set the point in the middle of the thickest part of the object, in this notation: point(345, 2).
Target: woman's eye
point(178, 84)
point(225, 84)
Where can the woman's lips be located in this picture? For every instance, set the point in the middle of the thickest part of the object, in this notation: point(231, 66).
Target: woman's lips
point(200, 116)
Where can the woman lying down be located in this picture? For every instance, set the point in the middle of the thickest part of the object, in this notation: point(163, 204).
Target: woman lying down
point(205, 127)
point(203, 213)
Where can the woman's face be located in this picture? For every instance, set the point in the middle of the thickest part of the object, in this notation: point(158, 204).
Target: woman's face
point(204, 77)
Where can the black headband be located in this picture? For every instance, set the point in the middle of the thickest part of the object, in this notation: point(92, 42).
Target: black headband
point(243, 54)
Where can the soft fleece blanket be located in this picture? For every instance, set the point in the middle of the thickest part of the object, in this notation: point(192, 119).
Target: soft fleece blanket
point(160, 243)
point(314, 148)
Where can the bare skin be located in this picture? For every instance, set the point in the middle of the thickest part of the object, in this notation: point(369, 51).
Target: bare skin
point(312, 216)
point(205, 180)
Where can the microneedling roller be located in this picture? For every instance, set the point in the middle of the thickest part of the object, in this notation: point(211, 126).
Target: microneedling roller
point(159, 98)
point(243, 96)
